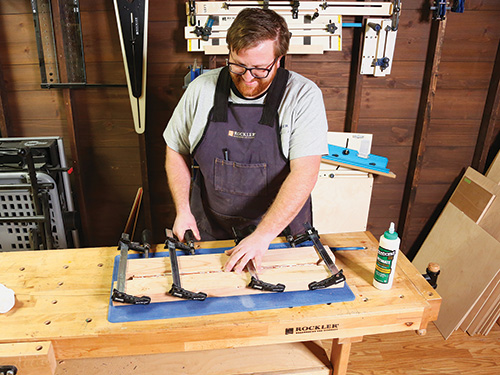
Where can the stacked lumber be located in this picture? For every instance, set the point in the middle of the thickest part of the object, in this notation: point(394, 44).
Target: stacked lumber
point(465, 241)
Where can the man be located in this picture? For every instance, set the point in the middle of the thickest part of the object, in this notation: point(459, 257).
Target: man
point(256, 133)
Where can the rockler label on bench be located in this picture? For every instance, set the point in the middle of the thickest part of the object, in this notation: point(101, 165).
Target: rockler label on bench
point(311, 329)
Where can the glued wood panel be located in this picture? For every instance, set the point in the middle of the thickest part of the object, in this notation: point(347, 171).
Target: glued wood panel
point(295, 268)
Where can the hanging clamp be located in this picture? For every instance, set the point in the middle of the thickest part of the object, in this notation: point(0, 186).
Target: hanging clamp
point(382, 62)
point(396, 9)
point(331, 28)
point(192, 12)
point(204, 31)
point(439, 9)
point(295, 9)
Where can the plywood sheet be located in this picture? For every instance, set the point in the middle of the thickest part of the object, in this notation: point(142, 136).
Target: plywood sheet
point(485, 312)
point(493, 172)
point(480, 302)
point(294, 267)
point(469, 258)
point(477, 191)
point(472, 199)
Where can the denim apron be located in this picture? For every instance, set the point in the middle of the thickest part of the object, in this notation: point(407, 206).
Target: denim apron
point(241, 166)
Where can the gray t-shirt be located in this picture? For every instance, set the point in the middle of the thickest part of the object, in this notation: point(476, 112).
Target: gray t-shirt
point(302, 116)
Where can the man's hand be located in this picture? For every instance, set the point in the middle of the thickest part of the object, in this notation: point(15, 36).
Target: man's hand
point(182, 223)
point(252, 247)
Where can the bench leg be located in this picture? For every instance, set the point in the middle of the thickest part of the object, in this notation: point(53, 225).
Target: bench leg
point(341, 349)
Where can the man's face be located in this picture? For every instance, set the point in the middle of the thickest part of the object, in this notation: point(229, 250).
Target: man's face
point(260, 56)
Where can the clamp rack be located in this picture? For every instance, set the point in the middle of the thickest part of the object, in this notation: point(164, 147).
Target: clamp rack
point(37, 210)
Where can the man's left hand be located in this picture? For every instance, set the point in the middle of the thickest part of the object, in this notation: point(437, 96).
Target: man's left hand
point(252, 247)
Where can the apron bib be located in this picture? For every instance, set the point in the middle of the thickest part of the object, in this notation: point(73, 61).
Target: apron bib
point(241, 164)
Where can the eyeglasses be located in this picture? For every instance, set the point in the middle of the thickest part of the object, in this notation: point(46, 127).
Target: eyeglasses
point(255, 72)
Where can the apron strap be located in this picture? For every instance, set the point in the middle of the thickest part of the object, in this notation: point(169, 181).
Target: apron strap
point(219, 113)
point(273, 98)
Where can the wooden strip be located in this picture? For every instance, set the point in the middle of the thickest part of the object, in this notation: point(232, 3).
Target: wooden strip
point(472, 199)
point(4, 112)
point(346, 8)
point(146, 197)
point(355, 82)
point(490, 117)
point(33, 358)
point(292, 358)
point(78, 167)
point(293, 49)
point(428, 92)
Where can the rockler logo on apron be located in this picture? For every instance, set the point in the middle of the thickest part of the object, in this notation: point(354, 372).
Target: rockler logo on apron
point(244, 135)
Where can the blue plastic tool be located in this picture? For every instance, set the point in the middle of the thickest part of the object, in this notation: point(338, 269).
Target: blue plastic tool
point(343, 155)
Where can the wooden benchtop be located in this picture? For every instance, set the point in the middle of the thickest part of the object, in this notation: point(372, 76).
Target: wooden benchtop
point(62, 296)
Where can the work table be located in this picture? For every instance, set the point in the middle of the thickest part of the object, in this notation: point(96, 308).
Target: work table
point(62, 301)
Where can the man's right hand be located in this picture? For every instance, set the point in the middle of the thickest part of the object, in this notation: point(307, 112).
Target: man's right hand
point(182, 223)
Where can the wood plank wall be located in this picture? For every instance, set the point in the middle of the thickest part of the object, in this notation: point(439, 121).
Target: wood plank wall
point(110, 161)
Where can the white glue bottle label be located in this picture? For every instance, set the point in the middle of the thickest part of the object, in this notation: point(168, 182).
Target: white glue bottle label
point(386, 259)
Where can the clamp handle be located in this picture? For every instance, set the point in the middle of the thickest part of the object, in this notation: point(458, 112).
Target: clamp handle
point(118, 296)
point(332, 280)
point(267, 287)
point(180, 292)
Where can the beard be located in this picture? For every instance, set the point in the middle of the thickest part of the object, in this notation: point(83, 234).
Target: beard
point(254, 88)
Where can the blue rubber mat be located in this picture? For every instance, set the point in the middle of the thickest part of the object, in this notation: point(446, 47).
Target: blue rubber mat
point(223, 305)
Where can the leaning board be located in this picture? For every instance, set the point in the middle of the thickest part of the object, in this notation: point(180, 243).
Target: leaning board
point(227, 291)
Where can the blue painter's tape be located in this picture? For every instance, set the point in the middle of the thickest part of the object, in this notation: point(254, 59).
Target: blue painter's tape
point(223, 305)
point(373, 162)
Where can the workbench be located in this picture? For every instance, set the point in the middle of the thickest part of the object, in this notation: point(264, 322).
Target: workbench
point(62, 301)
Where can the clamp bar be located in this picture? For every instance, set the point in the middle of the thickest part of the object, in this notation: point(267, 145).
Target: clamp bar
point(337, 276)
point(119, 294)
point(177, 290)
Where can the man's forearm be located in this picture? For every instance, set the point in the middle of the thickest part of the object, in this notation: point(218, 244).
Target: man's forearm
point(291, 197)
point(179, 179)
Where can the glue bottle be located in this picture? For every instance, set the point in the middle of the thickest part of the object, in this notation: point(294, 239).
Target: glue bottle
point(386, 259)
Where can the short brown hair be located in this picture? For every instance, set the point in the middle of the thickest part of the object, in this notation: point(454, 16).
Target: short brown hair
point(255, 25)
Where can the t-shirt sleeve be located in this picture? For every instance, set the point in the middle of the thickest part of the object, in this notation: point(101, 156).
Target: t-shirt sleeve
point(309, 127)
point(176, 133)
